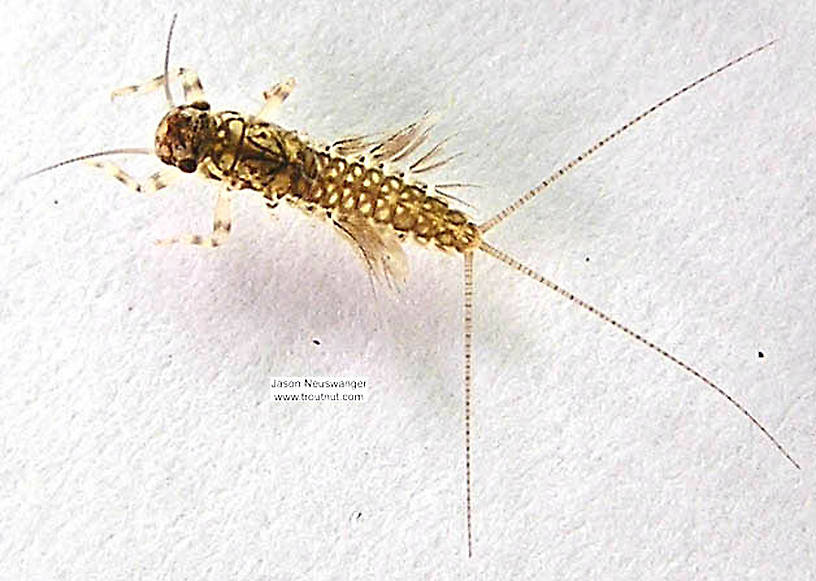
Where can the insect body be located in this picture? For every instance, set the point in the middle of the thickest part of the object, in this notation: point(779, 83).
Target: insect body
point(362, 185)
point(349, 182)
point(247, 153)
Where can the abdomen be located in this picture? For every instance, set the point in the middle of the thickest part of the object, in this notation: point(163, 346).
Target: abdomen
point(348, 187)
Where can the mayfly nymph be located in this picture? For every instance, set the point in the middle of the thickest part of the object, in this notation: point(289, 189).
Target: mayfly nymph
point(248, 153)
point(364, 185)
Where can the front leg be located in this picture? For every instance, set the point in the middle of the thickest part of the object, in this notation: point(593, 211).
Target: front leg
point(222, 223)
point(190, 84)
point(149, 185)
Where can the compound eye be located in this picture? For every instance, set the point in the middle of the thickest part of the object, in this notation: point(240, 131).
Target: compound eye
point(187, 165)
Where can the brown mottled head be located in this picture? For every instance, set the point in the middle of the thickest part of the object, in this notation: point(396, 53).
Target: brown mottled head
point(181, 135)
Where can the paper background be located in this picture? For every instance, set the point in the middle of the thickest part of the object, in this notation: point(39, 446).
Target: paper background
point(139, 436)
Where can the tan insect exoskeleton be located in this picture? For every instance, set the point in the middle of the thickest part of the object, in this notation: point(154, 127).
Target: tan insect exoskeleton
point(363, 185)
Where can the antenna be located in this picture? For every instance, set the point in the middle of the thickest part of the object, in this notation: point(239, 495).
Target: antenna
point(167, 92)
point(119, 151)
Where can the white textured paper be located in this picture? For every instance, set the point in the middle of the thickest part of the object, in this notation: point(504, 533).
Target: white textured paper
point(139, 436)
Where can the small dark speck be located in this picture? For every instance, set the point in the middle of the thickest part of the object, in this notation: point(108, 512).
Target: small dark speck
point(130, 309)
point(56, 202)
point(315, 341)
point(170, 356)
point(587, 258)
point(760, 354)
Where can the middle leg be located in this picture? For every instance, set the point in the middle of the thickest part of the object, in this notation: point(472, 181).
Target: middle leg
point(222, 223)
point(274, 97)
